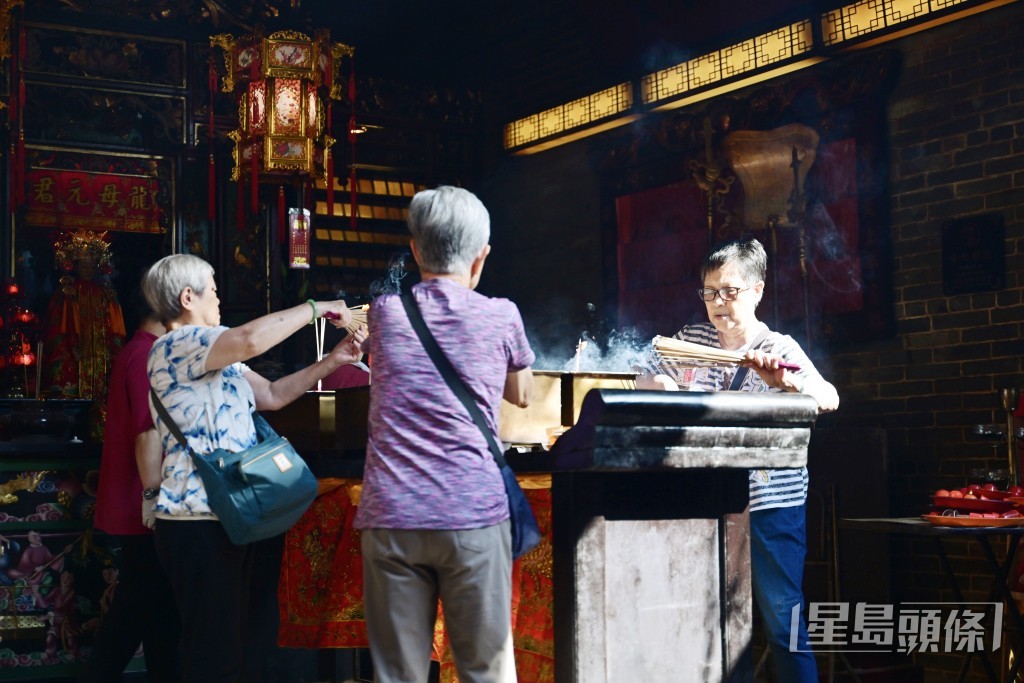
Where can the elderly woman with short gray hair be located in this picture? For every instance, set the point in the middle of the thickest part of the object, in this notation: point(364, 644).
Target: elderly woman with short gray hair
point(433, 512)
point(198, 371)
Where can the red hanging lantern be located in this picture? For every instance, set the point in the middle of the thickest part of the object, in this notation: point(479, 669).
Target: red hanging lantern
point(281, 115)
point(283, 135)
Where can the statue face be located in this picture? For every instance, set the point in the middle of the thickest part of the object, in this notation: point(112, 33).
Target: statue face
point(85, 268)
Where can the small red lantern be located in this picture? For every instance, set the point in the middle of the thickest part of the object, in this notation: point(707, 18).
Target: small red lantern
point(22, 356)
point(25, 316)
point(25, 359)
point(12, 289)
point(298, 238)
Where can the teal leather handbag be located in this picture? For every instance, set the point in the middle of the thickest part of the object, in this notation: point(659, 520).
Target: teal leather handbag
point(257, 493)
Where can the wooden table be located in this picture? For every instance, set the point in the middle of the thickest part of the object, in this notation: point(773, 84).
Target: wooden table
point(915, 526)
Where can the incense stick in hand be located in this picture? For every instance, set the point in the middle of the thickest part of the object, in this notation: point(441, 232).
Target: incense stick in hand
point(358, 317)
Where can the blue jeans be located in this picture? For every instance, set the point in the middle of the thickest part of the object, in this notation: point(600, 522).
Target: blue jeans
point(778, 544)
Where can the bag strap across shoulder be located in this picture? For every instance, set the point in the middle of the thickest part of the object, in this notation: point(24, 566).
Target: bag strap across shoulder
point(264, 431)
point(741, 374)
point(452, 378)
point(172, 426)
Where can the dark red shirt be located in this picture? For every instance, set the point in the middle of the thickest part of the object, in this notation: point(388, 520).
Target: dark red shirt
point(119, 500)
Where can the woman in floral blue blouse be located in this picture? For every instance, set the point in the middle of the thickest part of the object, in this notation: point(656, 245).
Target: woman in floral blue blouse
point(198, 371)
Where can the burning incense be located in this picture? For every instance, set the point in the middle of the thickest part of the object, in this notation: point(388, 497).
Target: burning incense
point(580, 345)
point(672, 351)
point(358, 320)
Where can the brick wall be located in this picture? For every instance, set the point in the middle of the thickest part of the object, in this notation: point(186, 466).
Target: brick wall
point(956, 121)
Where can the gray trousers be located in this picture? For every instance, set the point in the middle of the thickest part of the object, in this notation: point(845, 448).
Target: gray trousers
point(405, 571)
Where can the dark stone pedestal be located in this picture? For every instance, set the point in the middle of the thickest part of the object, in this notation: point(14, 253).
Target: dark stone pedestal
point(652, 576)
point(651, 531)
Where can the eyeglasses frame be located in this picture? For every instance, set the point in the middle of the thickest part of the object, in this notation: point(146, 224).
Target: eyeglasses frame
point(718, 293)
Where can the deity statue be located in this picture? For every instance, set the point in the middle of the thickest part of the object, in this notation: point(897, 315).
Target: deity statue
point(86, 325)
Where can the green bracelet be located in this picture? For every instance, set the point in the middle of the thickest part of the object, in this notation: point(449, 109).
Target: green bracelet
point(313, 304)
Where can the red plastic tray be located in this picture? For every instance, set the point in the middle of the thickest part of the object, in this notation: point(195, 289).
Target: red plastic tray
point(939, 520)
point(971, 504)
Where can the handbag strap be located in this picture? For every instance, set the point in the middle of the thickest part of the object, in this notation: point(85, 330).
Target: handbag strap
point(452, 378)
point(172, 426)
point(264, 431)
point(741, 374)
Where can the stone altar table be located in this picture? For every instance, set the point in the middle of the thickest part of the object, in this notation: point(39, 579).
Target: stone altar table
point(651, 543)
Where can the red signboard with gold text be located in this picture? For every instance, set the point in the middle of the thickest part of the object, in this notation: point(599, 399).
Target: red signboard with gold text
point(68, 199)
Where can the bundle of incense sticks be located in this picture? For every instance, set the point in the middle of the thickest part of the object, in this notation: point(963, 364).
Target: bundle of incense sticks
point(671, 351)
point(320, 328)
point(358, 317)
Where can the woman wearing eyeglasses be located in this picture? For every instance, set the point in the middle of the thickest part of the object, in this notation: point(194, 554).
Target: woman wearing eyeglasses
point(733, 275)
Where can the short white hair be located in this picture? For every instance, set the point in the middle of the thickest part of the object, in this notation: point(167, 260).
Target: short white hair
point(450, 226)
point(168, 278)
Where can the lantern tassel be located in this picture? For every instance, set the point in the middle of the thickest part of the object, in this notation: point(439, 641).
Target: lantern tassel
point(254, 177)
point(353, 196)
point(330, 185)
point(12, 118)
point(212, 179)
point(240, 203)
point(328, 157)
point(211, 190)
point(329, 164)
point(281, 232)
point(352, 82)
point(19, 158)
point(20, 163)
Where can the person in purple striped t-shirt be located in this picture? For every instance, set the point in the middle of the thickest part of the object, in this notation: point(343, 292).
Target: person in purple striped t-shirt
point(433, 512)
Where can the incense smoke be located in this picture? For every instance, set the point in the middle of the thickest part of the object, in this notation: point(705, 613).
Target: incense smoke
point(621, 351)
point(391, 283)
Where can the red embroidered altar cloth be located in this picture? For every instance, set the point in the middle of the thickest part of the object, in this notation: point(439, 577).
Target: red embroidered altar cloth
point(321, 587)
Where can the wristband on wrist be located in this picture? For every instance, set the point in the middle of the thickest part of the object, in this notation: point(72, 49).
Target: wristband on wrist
point(313, 304)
